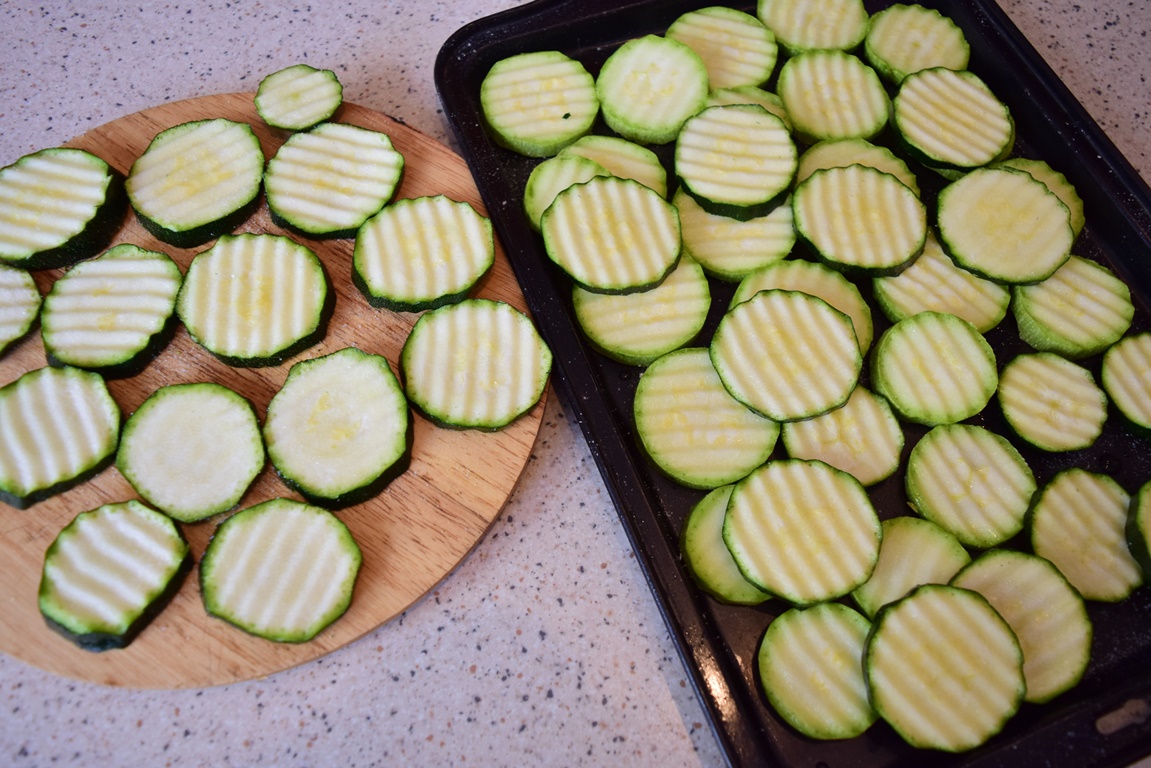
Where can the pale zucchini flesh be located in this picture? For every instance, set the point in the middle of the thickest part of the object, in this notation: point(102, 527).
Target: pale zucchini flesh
point(831, 94)
point(903, 39)
point(1051, 402)
point(749, 94)
point(1057, 183)
point(840, 153)
point(20, 302)
point(804, 25)
point(622, 158)
point(736, 47)
point(708, 559)
point(552, 176)
point(1126, 377)
point(727, 248)
point(298, 97)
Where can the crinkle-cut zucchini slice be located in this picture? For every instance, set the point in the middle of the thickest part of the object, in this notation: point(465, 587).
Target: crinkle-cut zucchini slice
point(637, 328)
point(1138, 528)
point(1046, 613)
point(1078, 522)
point(708, 559)
point(811, 670)
point(736, 47)
point(339, 428)
point(552, 176)
point(832, 95)
point(111, 313)
point(786, 516)
point(197, 180)
point(20, 302)
point(1057, 183)
point(537, 103)
point(612, 235)
point(622, 158)
point(787, 355)
point(422, 253)
point(1004, 225)
point(806, 25)
point(58, 427)
point(863, 438)
point(840, 153)
point(906, 38)
point(282, 570)
point(913, 552)
point(1051, 402)
point(818, 280)
point(477, 364)
point(330, 180)
point(749, 94)
point(736, 160)
point(727, 248)
point(192, 450)
point(298, 97)
point(934, 368)
point(1126, 377)
point(694, 431)
point(970, 482)
point(109, 572)
point(58, 206)
point(932, 283)
point(1080, 310)
point(943, 668)
point(255, 299)
point(860, 219)
point(649, 86)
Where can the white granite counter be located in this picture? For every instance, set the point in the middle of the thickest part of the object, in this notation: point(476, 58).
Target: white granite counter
point(545, 646)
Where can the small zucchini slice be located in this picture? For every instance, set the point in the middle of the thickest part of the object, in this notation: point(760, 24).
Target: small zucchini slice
point(552, 176)
point(807, 25)
point(255, 299)
point(831, 94)
point(282, 570)
point(58, 426)
point(298, 97)
point(478, 364)
point(113, 313)
point(903, 39)
point(192, 450)
point(811, 670)
point(339, 428)
point(943, 668)
point(622, 158)
point(736, 47)
point(58, 206)
point(421, 253)
point(20, 302)
point(1126, 377)
point(730, 249)
point(196, 181)
point(109, 572)
point(914, 551)
point(1051, 402)
point(708, 559)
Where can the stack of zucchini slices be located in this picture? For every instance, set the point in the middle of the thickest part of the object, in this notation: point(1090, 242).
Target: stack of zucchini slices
point(812, 162)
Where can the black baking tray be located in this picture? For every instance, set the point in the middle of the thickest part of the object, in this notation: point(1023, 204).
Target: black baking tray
point(1106, 719)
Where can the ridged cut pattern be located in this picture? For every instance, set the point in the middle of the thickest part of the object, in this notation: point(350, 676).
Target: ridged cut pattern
point(1052, 402)
point(910, 38)
point(49, 197)
point(299, 96)
point(735, 154)
point(528, 96)
point(1081, 302)
point(624, 159)
point(731, 248)
point(833, 95)
point(815, 24)
point(952, 117)
point(862, 438)
point(649, 86)
point(736, 48)
point(1127, 377)
point(19, 303)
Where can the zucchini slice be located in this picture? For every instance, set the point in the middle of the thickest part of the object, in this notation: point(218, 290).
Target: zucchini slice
point(708, 559)
point(637, 328)
point(339, 428)
point(1126, 377)
point(298, 97)
point(934, 368)
point(1079, 311)
point(330, 180)
point(553, 176)
point(1138, 528)
point(913, 552)
point(1051, 402)
point(840, 153)
point(736, 160)
point(787, 355)
point(736, 47)
point(1046, 613)
point(806, 25)
point(694, 431)
point(1057, 183)
point(649, 86)
point(58, 426)
point(612, 235)
point(282, 570)
point(20, 302)
point(622, 158)
point(831, 94)
point(730, 249)
point(943, 668)
point(1079, 523)
point(478, 364)
point(109, 572)
point(58, 206)
point(787, 517)
point(422, 253)
point(903, 39)
point(539, 102)
point(112, 313)
point(196, 181)
point(192, 450)
point(1004, 225)
point(860, 219)
point(749, 94)
point(255, 299)
point(970, 482)
point(811, 670)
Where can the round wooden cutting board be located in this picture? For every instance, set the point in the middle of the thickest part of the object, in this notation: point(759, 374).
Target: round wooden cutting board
point(412, 535)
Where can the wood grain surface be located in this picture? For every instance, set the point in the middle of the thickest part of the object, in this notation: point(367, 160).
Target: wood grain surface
point(412, 535)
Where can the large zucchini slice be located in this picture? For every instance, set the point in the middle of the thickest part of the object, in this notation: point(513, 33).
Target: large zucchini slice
point(806, 25)
point(736, 47)
point(903, 39)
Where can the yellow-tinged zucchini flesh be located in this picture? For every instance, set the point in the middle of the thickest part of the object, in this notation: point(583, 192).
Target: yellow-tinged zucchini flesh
point(736, 47)
point(830, 94)
point(1051, 402)
point(622, 158)
point(707, 557)
point(553, 176)
point(805, 25)
point(298, 97)
point(1126, 377)
point(840, 153)
point(906, 38)
point(20, 302)
point(914, 551)
point(1057, 183)
point(730, 249)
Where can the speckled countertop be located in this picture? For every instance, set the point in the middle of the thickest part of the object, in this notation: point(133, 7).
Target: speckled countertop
point(545, 646)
